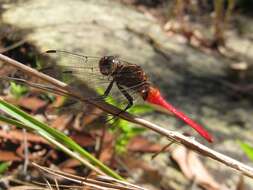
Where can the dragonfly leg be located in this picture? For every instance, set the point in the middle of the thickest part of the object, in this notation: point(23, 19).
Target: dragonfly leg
point(128, 97)
point(108, 89)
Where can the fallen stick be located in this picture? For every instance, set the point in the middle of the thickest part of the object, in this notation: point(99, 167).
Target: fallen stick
point(178, 137)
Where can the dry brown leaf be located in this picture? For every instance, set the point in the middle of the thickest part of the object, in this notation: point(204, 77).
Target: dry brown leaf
point(8, 156)
point(93, 114)
point(240, 184)
point(107, 152)
point(108, 136)
point(86, 117)
point(31, 103)
point(69, 165)
point(149, 173)
point(133, 162)
point(83, 139)
point(193, 169)
point(140, 144)
point(34, 155)
point(180, 156)
point(59, 100)
point(62, 121)
point(19, 136)
point(6, 70)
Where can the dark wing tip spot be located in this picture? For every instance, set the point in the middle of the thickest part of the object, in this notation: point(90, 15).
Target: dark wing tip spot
point(51, 51)
point(67, 72)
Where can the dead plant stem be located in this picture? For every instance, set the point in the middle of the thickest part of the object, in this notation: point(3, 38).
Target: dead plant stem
point(188, 142)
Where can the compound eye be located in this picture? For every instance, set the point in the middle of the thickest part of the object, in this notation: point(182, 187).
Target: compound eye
point(106, 65)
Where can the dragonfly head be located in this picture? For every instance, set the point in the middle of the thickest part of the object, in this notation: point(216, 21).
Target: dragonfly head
point(108, 64)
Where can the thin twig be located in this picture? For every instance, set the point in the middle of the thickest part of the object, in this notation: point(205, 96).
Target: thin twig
point(13, 46)
point(96, 182)
point(178, 137)
point(26, 152)
point(162, 150)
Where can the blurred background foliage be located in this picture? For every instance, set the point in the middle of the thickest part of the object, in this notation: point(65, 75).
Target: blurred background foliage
point(205, 27)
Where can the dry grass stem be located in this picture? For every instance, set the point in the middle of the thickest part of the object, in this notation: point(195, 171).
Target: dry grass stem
point(173, 135)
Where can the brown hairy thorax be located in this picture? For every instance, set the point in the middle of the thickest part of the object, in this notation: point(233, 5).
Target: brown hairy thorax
point(127, 75)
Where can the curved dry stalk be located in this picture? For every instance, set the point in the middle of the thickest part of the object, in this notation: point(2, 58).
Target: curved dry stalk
point(178, 137)
point(97, 182)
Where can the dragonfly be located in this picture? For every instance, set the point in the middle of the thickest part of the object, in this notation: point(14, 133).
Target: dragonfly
point(128, 78)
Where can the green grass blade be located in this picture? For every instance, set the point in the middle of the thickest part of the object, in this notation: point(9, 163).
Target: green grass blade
point(247, 149)
point(52, 134)
point(4, 167)
point(50, 139)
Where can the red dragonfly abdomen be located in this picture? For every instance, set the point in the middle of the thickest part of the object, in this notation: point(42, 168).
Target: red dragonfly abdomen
point(154, 97)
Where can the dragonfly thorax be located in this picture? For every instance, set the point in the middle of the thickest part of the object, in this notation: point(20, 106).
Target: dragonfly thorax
point(108, 64)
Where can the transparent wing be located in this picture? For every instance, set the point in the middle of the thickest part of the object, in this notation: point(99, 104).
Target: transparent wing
point(74, 67)
point(83, 73)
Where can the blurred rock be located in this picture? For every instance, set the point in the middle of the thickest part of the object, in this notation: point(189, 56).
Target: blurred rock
point(189, 78)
